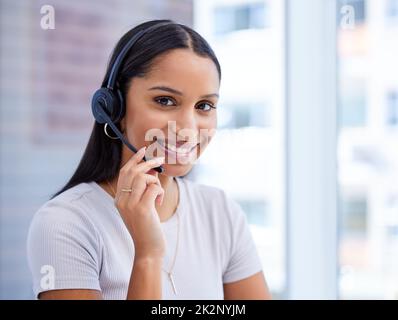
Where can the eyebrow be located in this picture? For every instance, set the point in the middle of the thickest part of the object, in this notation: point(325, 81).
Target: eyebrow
point(171, 90)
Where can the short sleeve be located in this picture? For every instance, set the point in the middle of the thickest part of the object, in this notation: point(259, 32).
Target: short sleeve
point(62, 250)
point(244, 260)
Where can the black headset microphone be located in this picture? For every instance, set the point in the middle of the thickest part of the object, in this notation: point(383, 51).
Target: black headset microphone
point(108, 103)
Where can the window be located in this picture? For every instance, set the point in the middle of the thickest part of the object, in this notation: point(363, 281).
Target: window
point(249, 144)
point(239, 17)
point(354, 213)
point(359, 8)
point(256, 211)
point(244, 115)
point(352, 108)
point(392, 9)
point(392, 109)
point(367, 157)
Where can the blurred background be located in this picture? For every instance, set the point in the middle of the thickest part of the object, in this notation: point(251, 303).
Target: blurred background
point(48, 77)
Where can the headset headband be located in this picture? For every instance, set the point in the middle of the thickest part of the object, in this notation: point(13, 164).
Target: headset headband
point(120, 58)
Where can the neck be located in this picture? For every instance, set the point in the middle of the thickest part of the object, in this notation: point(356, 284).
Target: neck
point(171, 197)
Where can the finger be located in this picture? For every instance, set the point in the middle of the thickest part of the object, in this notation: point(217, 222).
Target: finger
point(140, 183)
point(138, 188)
point(127, 174)
point(135, 159)
point(145, 166)
point(152, 193)
point(156, 175)
point(142, 166)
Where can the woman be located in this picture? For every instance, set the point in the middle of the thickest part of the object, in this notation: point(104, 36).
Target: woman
point(121, 230)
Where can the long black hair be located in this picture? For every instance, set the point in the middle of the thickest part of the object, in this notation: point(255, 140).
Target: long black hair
point(102, 157)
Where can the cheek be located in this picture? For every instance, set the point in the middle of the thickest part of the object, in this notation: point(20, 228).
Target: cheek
point(206, 135)
point(212, 121)
point(214, 124)
point(211, 127)
point(140, 122)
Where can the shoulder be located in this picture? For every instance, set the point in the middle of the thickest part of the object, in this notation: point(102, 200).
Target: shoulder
point(70, 202)
point(67, 212)
point(63, 240)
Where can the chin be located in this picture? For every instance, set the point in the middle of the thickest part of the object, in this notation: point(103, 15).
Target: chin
point(176, 170)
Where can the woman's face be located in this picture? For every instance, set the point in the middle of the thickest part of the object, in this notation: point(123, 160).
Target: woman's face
point(172, 109)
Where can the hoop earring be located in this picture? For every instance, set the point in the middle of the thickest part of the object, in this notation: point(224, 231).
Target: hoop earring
point(107, 134)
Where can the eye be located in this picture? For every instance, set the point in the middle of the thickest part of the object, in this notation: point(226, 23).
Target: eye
point(205, 106)
point(164, 101)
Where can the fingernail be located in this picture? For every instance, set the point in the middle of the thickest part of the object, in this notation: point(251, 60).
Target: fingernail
point(142, 150)
point(159, 159)
point(159, 200)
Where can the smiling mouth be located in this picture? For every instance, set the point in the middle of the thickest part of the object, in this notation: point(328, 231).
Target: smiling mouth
point(184, 149)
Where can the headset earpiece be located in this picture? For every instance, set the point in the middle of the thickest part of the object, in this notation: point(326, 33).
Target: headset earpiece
point(119, 107)
point(104, 100)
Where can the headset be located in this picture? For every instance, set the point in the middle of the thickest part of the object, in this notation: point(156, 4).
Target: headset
point(108, 103)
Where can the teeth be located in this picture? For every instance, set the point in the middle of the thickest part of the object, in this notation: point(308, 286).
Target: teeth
point(179, 150)
point(175, 149)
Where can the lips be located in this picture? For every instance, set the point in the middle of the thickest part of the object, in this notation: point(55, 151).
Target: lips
point(180, 147)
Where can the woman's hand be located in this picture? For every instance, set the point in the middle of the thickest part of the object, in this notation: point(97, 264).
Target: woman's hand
point(137, 208)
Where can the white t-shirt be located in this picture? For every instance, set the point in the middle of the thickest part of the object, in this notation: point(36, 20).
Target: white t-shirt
point(78, 240)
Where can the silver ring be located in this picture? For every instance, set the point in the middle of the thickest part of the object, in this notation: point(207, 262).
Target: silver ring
point(127, 190)
point(106, 132)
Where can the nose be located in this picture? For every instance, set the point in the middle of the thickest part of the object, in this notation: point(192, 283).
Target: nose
point(187, 123)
